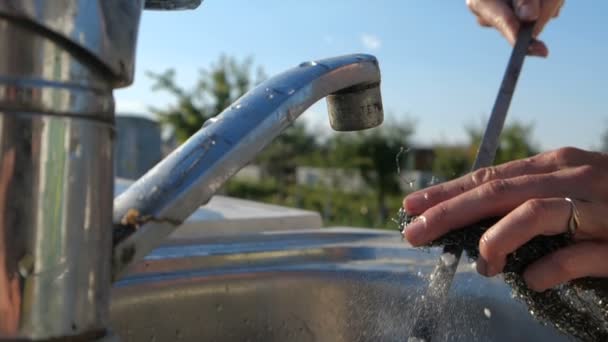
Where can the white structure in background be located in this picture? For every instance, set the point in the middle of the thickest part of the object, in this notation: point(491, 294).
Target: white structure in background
point(250, 173)
point(138, 145)
point(348, 180)
point(232, 216)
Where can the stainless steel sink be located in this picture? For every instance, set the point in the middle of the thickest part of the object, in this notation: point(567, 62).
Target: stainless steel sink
point(322, 285)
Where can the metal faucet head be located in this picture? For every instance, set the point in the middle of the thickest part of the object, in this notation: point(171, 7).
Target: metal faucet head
point(157, 203)
point(356, 108)
point(172, 4)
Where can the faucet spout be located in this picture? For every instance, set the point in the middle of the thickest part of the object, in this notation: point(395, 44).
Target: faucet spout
point(156, 204)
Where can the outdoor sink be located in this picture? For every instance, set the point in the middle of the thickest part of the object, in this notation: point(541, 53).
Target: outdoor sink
point(337, 284)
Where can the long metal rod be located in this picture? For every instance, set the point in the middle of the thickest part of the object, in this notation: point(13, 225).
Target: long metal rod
point(441, 279)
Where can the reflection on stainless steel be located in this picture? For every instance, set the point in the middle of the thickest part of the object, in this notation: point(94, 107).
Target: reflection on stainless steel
point(329, 285)
point(166, 195)
point(55, 186)
point(59, 61)
point(137, 147)
point(105, 30)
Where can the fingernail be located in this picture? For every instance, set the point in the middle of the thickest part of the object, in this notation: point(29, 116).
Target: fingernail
point(482, 266)
point(415, 231)
point(526, 12)
point(415, 201)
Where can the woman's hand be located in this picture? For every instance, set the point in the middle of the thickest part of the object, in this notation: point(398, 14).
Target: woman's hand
point(506, 15)
point(530, 196)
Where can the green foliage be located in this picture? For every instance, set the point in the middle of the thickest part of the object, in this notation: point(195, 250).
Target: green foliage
point(373, 153)
point(280, 158)
point(515, 143)
point(218, 87)
point(451, 161)
point(337, 208)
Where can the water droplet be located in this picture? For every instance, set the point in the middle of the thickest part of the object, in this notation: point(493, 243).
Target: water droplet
point(26, 265)
point(415, 339)
point(448, 259)
point(284, 90)
point(307, 64)
point(426, 196)
point(419, 274)
point(487, 312)
point(237, 106)
point(532, 312)
point(78, 150)
point(269, 93)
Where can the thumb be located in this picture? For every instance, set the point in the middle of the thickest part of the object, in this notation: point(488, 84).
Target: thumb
point(527, 10)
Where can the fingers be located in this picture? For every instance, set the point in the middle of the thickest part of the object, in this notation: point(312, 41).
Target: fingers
point(498, 197)
point(498, 14)
point(548, 10)
point(584, 259)
point(527, 10)
point(535, 217)
point(506, 19)
point(547, 162)
point(420, 201)
point(494, 198)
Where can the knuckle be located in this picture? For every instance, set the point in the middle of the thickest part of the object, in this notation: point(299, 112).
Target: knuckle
point(484, 175)
point(471, 4)
point(564, 264)
point(566, 156)
point(495, 188)
point(506, 22)
point(535, 208)
point(587, 172)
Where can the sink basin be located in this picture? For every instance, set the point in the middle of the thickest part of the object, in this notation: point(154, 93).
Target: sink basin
point(338, 284)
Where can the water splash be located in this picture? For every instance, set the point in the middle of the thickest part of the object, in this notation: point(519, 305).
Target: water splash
point(487, 313)
point(402, 150)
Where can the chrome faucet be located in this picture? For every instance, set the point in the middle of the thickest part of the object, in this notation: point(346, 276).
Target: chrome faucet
point(60, 244)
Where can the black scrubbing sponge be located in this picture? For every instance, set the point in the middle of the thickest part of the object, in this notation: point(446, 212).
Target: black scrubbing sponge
point(578, 308)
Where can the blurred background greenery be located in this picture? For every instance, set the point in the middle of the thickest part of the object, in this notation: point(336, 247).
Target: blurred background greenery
point(353, 179)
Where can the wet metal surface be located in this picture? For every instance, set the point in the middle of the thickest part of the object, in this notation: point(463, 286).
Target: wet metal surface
point(323, 285)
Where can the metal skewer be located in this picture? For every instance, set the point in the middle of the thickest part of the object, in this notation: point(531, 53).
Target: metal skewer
point(435, 298)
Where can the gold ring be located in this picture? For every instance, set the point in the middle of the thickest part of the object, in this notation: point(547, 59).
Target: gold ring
point(575, 220)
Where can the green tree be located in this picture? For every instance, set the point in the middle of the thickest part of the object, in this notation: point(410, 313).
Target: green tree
point(218, 87)
point(515, 143)
point(280, 158)
point(451, 161)
point(373, 152)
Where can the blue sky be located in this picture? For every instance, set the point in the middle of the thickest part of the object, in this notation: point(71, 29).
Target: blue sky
point(438, 67)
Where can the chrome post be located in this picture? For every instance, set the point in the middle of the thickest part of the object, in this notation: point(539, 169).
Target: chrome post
point(59, 62)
